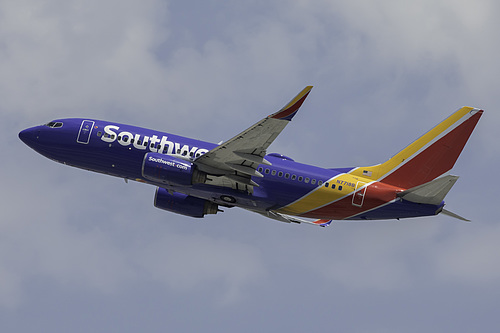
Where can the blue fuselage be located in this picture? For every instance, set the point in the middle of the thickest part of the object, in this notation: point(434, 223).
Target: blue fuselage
point(119, 150)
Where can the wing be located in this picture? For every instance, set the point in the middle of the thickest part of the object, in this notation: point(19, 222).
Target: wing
point(235, 161)
point(292, 219)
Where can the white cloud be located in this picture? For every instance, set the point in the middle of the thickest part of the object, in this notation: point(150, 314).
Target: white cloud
point(67, 56)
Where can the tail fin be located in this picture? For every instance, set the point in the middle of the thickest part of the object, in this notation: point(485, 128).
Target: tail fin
point(430, 156)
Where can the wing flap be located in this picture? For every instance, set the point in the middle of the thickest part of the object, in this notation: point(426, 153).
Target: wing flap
point(247, 170)
point(252, 157)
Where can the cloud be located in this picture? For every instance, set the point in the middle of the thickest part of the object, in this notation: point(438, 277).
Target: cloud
point(384, 73)
point(65, 231)
point(62, 56)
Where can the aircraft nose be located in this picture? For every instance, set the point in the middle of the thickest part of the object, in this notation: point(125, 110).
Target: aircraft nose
point(29, 136)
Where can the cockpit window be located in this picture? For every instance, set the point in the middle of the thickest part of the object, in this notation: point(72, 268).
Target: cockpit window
point(54, 124)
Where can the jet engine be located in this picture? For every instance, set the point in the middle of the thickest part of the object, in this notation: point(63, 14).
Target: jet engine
point(170, 170)
point(183, 204)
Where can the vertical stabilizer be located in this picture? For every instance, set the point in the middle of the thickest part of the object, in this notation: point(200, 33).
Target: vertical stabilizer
point(430, 156)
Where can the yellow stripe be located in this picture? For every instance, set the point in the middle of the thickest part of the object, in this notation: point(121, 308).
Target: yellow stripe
point(378, 171)
point(297, 98)
point(323, 195)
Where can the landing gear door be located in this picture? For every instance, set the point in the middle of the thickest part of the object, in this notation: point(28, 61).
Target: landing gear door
point(85, 131)
point(359, 194)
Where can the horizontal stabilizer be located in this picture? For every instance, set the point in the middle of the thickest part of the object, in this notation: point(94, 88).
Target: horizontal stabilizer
point(432, 192)
point(447, 212)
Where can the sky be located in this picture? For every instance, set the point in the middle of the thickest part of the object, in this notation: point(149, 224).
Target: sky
point(84, 252)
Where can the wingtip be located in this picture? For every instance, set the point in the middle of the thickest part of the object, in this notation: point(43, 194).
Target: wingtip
point(290, 109)
point(323, 223)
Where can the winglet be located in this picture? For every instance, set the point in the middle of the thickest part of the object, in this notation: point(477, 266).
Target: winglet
point(292, 219)
point(323, 223)
point(289, 110)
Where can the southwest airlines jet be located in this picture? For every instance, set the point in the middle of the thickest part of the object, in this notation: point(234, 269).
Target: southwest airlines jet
point(195, 178)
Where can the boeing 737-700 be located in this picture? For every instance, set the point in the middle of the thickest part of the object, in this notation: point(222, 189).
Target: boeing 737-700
point(196, 178)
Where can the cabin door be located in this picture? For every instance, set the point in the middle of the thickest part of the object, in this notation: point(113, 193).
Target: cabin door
point(85, 131)
point(359, 194)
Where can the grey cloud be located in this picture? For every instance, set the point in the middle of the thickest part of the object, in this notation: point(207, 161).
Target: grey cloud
point(383, 75)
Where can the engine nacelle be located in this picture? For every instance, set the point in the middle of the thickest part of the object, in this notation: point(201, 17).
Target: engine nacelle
point(170, 170)
point(183, 204)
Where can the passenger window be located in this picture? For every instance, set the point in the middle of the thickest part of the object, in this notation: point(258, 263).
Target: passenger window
point(294, 177)
point(280, 174)
point(333, 186)
point(119, 138)
point(125, 138)
point(267, 171)
point(340, 188)
point(106, 135)
point(287, 175)
point(300, 178)
point(99, 133)
point(273, 173)
point(327, 184)
point(261, 169)
point(139, 142)
point(320, 182)
point(307, 180)
point(145, 143)
point(313, 181)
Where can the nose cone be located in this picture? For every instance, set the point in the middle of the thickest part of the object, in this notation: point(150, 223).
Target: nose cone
point(29, 136)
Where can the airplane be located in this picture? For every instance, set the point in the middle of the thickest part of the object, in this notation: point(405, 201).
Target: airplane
point(196, 178)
